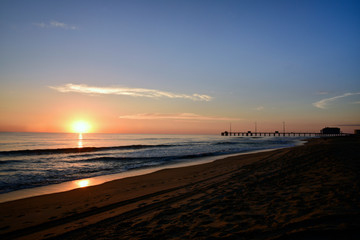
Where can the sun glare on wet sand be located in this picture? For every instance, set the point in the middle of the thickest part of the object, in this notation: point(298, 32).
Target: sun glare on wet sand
point(83, 183)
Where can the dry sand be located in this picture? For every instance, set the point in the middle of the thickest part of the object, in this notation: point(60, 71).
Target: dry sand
point(304, 192)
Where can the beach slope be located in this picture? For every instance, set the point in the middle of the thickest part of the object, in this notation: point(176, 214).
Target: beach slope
point(304, 192)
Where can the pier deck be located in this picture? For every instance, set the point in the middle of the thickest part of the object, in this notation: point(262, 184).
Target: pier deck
point(279, 134)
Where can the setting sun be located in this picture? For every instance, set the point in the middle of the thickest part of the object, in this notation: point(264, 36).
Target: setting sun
point(81, 127)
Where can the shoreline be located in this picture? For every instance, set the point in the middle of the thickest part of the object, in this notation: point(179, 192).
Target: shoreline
point(298, 191)
point(98, 180)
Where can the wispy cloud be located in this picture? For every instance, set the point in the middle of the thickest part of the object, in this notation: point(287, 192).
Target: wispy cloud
point(55, 24)
point(325, 102)
point(177, 116)
point(260, 108)
point(322, 93)
point(133, 92)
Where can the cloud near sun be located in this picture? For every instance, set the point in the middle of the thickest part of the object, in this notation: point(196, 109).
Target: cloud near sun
point(133, 92)
point(325, 102)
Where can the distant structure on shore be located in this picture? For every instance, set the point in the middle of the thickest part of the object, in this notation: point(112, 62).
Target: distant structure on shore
point(328, 131)
point(357, 131)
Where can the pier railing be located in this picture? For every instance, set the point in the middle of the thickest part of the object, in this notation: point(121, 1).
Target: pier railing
point(280, 134)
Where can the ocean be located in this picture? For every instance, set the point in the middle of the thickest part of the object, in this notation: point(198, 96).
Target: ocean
point(29, 160)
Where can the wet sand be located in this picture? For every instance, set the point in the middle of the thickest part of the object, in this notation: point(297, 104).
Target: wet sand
point(304, 192)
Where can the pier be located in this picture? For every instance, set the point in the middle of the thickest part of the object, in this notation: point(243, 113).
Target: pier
point(282, 134)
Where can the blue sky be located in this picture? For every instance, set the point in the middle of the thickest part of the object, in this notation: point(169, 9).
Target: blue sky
point(265, 61)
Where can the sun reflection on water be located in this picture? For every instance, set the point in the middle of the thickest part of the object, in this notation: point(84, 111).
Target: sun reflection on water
point(80, 143)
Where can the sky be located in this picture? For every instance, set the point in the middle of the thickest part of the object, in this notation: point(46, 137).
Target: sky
point(179, 67)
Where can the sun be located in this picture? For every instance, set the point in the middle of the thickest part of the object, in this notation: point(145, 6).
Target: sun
point(81, 127)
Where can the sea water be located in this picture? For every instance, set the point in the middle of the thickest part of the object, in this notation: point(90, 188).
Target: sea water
point(29, 160)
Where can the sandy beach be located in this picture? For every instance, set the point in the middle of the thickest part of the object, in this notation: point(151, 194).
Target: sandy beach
point(303, 192)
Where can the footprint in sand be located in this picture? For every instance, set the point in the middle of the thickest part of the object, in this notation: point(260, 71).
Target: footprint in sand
point(142, 204)
point(4, 228)
point(48, 235)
